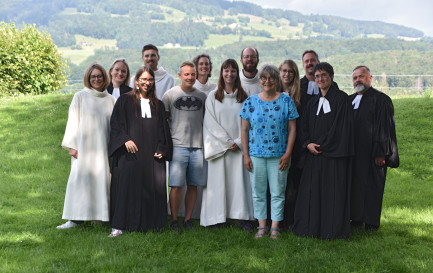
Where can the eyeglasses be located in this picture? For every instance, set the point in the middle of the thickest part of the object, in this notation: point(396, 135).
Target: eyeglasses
point(249, 56)
point(94, 77)
point(291, 72)
point(323, 75)
point(149, 80)
point(264, 79)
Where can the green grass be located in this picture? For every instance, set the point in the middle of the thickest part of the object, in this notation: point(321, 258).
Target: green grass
point(34, 171)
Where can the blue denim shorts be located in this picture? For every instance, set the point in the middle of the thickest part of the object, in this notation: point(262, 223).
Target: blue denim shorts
point(187, 164)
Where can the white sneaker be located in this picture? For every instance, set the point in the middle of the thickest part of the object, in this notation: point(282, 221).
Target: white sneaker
point(67, 225)
point(115, 233)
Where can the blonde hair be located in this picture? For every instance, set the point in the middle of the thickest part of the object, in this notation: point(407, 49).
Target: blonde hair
point(128, 73)
point(294, 86)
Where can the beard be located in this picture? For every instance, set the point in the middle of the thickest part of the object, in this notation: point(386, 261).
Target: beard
point(251, 68)
point(359, 87)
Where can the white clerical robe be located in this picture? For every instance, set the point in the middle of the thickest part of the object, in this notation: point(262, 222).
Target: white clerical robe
point(88, 131)
point(228, 190)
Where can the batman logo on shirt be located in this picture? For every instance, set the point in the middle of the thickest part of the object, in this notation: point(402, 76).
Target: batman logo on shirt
point(188, 103)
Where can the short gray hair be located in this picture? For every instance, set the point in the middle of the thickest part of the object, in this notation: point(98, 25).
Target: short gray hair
point(273, 72)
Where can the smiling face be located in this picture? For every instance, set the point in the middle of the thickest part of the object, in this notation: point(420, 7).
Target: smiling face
point(203, 67)
point(249, 60)
point(187, 77)
point(145, 82)
point(308, 62)
point(151, 58)
point(323, 80)
point(229, 75)
point(268, 83)
point(119, 73)
point(287, 74)
point(97, 80)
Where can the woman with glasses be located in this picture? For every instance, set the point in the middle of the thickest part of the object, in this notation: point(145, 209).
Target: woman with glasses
point(86, 139)
point(119, 78)
point(268, 134)
point(290, 84)
point(228, 191)
point(140, 144)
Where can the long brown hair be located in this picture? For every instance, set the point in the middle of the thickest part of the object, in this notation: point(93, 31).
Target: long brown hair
point(150, 93)
point(219, 94)
point(294, 86)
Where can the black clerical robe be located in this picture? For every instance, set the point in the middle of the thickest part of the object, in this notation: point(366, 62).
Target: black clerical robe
point(322, 206)
point(123, 89)
point(138, 184)
point(374, 129)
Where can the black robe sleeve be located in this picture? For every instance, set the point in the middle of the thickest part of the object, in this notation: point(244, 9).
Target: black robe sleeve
point(384, 137)
point(118, 124)
point(165, 143)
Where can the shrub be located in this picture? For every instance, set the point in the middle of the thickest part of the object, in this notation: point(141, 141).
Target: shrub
point(29, 61)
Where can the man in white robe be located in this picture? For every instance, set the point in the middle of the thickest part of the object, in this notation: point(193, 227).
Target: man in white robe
point(248, 76)
point(163, 80)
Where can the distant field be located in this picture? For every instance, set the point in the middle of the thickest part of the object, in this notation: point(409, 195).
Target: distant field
point(88, 46)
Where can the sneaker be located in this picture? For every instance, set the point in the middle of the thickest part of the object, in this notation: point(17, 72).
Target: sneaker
point(188, 225)
point(174, 225)
point(67, 225)
point(114, 233)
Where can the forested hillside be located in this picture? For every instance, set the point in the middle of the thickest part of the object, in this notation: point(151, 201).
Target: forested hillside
point(131, 22)
point(94, 30)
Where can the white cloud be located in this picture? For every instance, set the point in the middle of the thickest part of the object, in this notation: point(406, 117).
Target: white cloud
point(415, 13)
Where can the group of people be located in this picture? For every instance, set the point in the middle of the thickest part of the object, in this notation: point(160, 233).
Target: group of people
point(293, 153)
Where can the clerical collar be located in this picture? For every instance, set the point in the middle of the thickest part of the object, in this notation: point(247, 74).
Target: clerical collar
point(145, 108)
point(313, 89)
point(323, 103)
point(356, 101)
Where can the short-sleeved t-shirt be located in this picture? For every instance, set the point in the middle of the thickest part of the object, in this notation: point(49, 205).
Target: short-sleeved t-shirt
point(268, 124)
point(186, 116)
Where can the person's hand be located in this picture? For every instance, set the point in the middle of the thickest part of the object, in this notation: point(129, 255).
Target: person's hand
point(73, 153)
point(284, 162)
point(379, 161)
point(234, 147)
point(131, 147)
point(312, 148)
point(248, 163)
point(158, 155)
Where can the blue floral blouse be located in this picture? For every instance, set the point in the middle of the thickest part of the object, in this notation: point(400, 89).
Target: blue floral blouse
point(268, 124)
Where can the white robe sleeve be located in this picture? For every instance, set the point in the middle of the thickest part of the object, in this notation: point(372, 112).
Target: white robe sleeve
point(215, 138)
point(71, 133)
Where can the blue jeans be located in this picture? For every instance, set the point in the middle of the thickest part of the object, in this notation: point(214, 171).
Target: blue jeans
point(266, 169)
point(189, 164)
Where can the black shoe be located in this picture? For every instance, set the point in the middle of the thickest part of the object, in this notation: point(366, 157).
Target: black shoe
point(369, 227)
point(246, 226)
point(174, 225)
point(356, 224)
point(188, 225)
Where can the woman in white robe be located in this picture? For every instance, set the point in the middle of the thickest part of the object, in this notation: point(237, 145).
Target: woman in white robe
point(228, 191)
point(86, 138)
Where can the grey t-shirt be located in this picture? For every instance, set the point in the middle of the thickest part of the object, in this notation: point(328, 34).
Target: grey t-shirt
point(186, 116)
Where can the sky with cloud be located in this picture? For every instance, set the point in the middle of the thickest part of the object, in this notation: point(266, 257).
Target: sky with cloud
point(415, 13)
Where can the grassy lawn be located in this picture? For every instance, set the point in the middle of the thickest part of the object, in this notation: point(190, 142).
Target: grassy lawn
point(34, 171)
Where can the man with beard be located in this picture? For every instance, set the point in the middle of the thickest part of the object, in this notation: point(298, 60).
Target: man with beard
point(163, 80)
point(249, 79)
point(375, 149)
point(185, 106)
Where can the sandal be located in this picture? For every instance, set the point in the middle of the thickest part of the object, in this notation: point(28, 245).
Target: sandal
point(260, 234)
point(275, 232)
point(115, 232)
